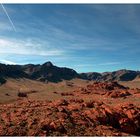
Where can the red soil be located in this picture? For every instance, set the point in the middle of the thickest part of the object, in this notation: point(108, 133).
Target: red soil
point(75, 116)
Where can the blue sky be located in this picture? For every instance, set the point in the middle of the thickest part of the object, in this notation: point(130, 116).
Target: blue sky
point(83, 37)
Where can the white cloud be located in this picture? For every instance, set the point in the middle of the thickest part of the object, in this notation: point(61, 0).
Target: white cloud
point(27, 47)
point(7, 62)
point(84, 65)
point(100, 64)
point(109, 63)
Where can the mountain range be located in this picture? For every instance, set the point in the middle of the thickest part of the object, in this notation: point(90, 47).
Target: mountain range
point(49, 72)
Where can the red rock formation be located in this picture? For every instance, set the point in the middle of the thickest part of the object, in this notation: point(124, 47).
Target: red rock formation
point(73, 117)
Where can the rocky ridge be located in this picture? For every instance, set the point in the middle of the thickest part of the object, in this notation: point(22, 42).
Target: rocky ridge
point(49, 72)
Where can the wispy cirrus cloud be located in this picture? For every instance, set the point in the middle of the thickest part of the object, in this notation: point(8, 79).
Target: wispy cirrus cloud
point(100, 64)
point(83, 37)
point(68, 40)
point(109, 63)
point(27, 47)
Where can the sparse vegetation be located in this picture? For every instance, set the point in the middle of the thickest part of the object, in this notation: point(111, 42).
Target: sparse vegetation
point(21, 94)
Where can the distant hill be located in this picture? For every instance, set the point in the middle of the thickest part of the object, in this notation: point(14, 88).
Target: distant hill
point(120, 75)
point(49, 72)
point(90, 76)
point(137, 78)
point(44, 72)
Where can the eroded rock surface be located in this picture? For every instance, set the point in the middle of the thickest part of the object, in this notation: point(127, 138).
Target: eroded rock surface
point(75, 116)
point(68, 118)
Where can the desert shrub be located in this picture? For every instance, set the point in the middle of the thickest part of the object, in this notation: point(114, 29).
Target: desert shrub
point(22, 94)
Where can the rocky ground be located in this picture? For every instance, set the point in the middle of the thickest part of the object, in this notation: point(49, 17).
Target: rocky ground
point(98, 109)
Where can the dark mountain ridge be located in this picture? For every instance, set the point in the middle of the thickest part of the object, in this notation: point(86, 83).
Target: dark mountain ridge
point(44, 72)
point(119, 75)
point(49, 72)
